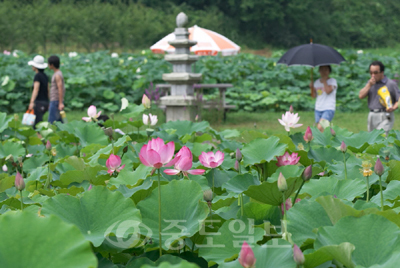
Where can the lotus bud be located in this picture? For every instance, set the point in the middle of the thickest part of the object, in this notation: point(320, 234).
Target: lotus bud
point(307, 174)
point(343, 147)
point(53, 152)
point(19, 159)
point(125, 149)
point(333, 132)
point(298, 255)
point(146, 101)
point(19, 182)
point(196, 118)
point(4, 167)
point(291, 109)
point(237, 165)
point(238, 154)
point(16, 117)
point(208, 195)
point(282, 185)
point(90, 187)
point(109, 132)
point(308, 135)
point(379, 170)
point(246, 258)
point(48, 145)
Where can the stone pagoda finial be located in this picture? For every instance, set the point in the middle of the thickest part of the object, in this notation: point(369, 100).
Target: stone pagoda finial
point(181, 20)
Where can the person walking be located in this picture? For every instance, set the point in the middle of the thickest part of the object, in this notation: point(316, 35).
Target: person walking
point(381, 114)
point(40, 97)
point(324, 90)
point(57, 90)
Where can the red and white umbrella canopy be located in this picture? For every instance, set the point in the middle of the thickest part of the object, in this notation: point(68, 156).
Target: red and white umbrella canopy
point(208, 43)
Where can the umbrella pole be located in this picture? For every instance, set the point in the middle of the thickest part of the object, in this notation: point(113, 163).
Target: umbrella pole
point(312, 82)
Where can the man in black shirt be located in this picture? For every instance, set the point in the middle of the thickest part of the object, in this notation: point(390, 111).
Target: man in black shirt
point(40, 94)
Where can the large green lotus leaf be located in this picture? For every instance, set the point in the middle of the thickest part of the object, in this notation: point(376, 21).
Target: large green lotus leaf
point(186, 127)
point(181, 203)
point(393, 261)
point(324, 138)
point(96, 213)
point(275, 253)
point(325, 154)
point(129, 177)
point(262, 150)
point(64, 150)
point(182, 264)
point(305, 217)
point(394, 171)
point(391, 193)
point(89, 174)
point(360, 141)
point(286, 140)
point(262, 212)
point(43, 242)
point(268, 192)
point(375, 238)
point(220, 176)
point(132, 110)
point(163, 260)
point(35, 161)
point(4, 121)
point(343, 189)
point(6, 181)
point(240, 183)
point(225, 244)
point(336, 209)
point(289, 171)
point(86, 132)
point(11, 148)
point(105, 152)
point(340, 252)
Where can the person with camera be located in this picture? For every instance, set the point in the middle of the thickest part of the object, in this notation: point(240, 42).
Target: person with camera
point(383, 96)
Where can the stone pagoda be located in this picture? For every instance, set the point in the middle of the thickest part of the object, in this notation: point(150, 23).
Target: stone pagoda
point(181, 104)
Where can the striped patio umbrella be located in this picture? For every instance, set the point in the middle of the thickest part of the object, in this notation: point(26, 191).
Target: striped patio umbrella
point(208, 43)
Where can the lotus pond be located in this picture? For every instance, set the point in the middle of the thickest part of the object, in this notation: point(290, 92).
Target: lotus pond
point(182, 194)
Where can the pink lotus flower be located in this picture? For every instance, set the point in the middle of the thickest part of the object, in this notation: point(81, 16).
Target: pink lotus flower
point(113, 164)
point(5, 52)
point(289, 120)
point(92, 113)
point(4, 168)
point(246, 258)
point(48, 145)
point(184, 164)
point(289, 204)
point(157, 154)
point(146, 101)
point(287, 159)
point(19, 182)
point(211, 160)
point(153, 119)
point(308, 135)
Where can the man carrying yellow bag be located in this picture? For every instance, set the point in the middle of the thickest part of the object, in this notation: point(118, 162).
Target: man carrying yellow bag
point(383, 96)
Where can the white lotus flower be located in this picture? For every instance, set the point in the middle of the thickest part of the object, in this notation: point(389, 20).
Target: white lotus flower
point(72, 54)
point(153, 119)
point(5, 81)
point(124, 103)
point(360, 51)
point(114, 55)
point(5, 169)
point(130, 58)
point(289, 120)
point(138, 70)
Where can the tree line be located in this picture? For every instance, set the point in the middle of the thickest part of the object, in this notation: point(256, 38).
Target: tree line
point(137, 24)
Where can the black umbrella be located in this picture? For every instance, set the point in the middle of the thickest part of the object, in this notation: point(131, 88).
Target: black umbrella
point(311, 55)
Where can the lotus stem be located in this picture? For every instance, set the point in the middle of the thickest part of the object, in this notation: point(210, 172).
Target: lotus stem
point(345, 167)
point(213, 171)
point(284, 206)
point(159, 213)
point(297, 194)
point(265, 171)
point(367, 178)
point(380, 186)
point(241, 204)
point(22, 203)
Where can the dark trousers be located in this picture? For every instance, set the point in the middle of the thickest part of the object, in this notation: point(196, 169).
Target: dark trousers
point(40, 108)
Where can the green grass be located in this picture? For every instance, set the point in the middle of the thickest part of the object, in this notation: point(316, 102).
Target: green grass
point(266, 122)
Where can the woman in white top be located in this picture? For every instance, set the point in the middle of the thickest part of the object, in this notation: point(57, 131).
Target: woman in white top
point(324, 89)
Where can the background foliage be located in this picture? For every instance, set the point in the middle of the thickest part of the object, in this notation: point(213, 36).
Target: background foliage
point(136, 24)
point(259, 83)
